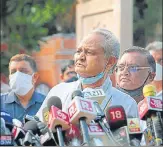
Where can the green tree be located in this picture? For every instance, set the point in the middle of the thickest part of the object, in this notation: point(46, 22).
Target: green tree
point(25, 22)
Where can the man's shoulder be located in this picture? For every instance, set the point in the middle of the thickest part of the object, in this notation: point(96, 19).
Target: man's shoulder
point(40, 97)
point(64, 86)
point(122, 95)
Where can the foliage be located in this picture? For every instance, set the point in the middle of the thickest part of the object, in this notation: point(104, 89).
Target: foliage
point(25, 22)
point(147, 28)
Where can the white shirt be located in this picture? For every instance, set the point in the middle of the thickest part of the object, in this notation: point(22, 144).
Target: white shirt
point(64, 91)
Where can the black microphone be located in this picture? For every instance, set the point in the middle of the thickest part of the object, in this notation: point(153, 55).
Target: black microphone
point(32, 130)
point(116, 117)
point(30, 118)
point(117, 120)
point(46, 138)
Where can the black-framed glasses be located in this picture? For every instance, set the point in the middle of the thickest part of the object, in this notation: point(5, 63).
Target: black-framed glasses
point(131, 69)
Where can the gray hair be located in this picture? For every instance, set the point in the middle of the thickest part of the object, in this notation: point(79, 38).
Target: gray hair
point(156, 45)
point(110, 44)
point(144, 52)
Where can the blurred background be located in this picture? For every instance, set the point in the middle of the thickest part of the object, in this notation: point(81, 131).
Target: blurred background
point(49, 30)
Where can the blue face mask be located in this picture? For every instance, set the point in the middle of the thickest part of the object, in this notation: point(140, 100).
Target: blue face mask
point(91, 80)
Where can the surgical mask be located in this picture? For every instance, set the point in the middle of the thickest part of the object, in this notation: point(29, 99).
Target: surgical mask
point(158, 76)
point(91, 80)
point(21, 83)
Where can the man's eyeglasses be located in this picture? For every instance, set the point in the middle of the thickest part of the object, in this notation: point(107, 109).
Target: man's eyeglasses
point(130, 68)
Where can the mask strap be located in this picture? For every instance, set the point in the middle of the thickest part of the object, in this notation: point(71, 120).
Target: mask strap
point(146, 79)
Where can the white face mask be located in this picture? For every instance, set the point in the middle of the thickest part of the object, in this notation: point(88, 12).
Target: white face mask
point(21, 83)
point(158, 76)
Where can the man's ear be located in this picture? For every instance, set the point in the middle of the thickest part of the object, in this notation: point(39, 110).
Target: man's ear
point(111, 61)
point(35, 77)
point(151, 76)
point(61, 77)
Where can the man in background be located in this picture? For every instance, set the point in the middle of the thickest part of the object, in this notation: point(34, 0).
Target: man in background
point(134, 70)
point(23, 99)
point(68, 73)
point(155, 49)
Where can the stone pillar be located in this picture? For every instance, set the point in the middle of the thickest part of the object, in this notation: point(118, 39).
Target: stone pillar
point(115, 15)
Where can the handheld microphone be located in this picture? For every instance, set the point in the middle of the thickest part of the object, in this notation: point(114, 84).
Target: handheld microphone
point(97, 135)
point(134, 126)
point(4, 130)
point(117, 120)
point(17, 132)
point(46, 137)
point(5, 136)
point(31, 130)
point(73, 136)
point(45, 115)
point(30, 118)
point(58, 120)
point(116, 117)
point(150, 109)
point(135, 131)
point(8, 119)
point(82, 112)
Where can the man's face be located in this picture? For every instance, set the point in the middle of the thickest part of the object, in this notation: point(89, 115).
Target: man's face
point(157, 55)
point(24, 67)
point(131, 80)
point(69, 73)
point(89, 57)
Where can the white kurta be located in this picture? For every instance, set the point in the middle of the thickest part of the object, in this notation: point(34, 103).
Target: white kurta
point(64, 91)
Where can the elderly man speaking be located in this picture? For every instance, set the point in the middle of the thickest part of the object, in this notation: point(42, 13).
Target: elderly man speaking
point(94, 57)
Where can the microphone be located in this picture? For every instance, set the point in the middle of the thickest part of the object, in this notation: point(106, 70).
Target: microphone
point(46, 137)
point(45, 115)
point(150, 109)
point(94, 94)
point(31, 130)
point(97, 135)
point(58, 120)
point(73, 136)
point(17, 132)
point(4, 130)
point(30, 118)
point(8, 120)
point(116, 117)
point(134, 126)
point(135, 131)
point(117, 120)
point(99, 96)
point(5, 136)
point(82, 112)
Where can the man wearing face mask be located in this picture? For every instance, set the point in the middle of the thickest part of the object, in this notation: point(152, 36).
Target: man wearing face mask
point(134, 70)
point(155, 49)
point(22, 99)
point(94, 58)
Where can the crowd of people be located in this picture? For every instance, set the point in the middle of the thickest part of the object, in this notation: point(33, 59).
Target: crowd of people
point(95, 57)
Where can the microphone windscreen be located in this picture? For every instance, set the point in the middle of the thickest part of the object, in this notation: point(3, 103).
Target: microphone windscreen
point(116, 117)
point(31, 125)
point(54, 101)
point(77, 93)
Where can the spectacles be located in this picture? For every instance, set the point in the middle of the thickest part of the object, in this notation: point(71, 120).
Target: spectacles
point(131, 69)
